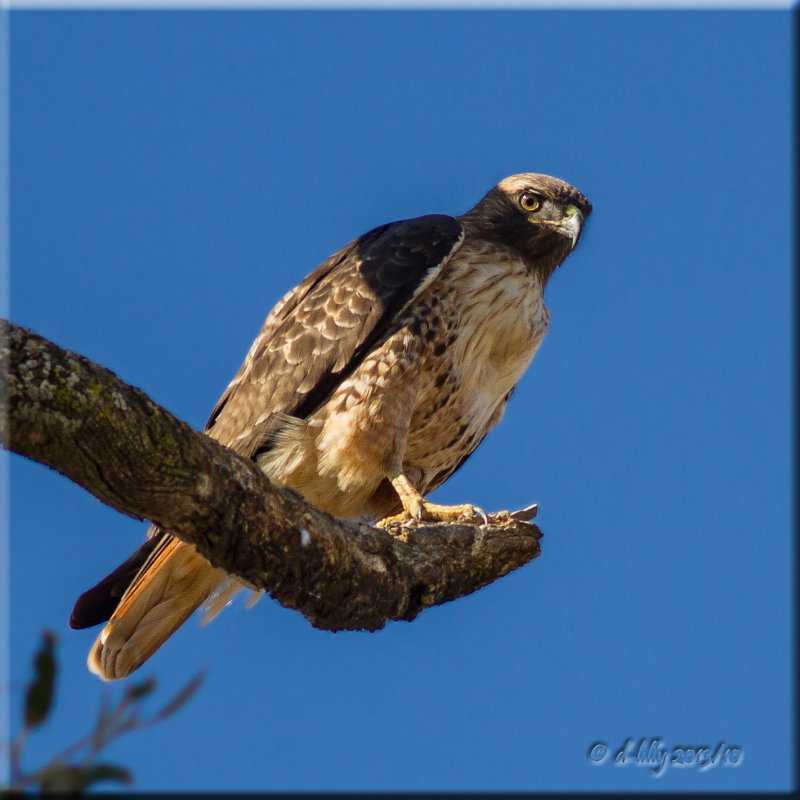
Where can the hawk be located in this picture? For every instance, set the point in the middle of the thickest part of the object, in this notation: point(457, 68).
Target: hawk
point(368, 386)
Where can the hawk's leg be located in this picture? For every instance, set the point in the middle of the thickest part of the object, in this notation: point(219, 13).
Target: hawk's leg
point(415, 506)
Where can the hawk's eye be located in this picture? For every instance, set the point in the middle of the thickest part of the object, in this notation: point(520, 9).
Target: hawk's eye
point(530, 201)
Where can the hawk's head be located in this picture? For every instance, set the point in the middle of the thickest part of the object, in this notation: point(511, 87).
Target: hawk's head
point(539, 216)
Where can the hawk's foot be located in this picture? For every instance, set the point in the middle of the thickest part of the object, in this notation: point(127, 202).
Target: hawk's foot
point(416, 507)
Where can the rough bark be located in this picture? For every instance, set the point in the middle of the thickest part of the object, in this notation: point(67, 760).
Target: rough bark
point(78, 418)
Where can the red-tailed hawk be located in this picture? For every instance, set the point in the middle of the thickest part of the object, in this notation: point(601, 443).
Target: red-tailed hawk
point(369, 384)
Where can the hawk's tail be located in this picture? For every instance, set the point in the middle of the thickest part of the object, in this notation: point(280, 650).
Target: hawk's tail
point(173, 582)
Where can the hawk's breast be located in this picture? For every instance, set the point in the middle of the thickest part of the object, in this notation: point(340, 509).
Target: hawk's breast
point(488, 320)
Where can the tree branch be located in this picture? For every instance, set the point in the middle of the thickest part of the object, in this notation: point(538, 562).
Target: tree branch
point(113, 440)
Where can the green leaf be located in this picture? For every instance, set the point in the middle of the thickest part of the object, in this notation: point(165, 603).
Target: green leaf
point(140, 690)
point(39, 694)
point(107, 772)
point(70, 778)
point(61, 779)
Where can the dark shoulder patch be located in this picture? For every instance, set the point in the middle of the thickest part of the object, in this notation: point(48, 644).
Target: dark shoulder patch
point(400, 255)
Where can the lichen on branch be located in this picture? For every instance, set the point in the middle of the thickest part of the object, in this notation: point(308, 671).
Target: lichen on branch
point(65, 411)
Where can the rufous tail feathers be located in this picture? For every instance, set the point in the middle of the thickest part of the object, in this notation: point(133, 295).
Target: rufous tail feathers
point(171, 585)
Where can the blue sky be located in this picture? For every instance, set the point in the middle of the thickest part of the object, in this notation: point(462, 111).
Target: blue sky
point(174, 173)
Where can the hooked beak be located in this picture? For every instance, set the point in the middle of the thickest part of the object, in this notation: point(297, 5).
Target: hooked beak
point(570, 225)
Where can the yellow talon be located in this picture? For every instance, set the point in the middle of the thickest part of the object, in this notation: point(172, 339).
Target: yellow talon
point(416, 507)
